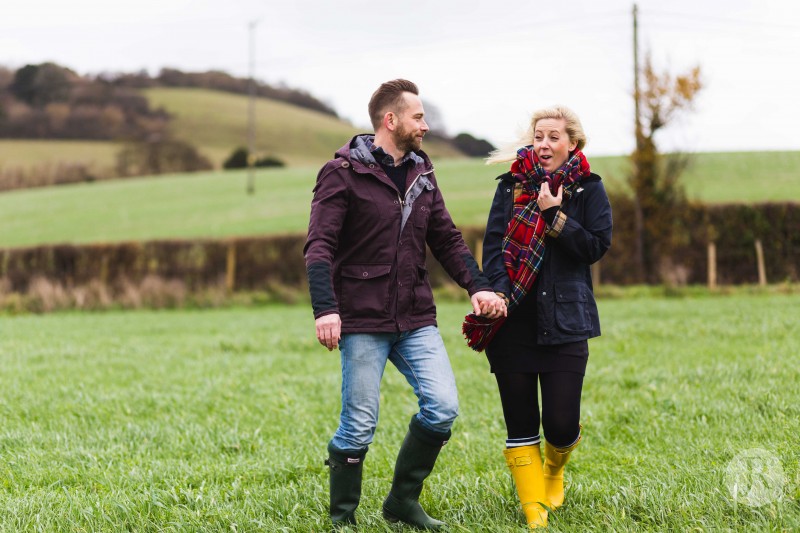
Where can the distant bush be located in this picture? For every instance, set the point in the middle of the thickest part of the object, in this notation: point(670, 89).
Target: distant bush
point(239, 158)
point(160, 157)
point(471, 146)
point(270, 161)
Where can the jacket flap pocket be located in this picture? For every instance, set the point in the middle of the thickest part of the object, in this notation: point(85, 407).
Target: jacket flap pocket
point(572, 291)
point(369, 271)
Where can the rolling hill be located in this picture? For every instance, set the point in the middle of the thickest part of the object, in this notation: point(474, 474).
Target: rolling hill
point(216, 123)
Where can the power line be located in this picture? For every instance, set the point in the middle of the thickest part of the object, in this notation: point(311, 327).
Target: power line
point(699, 18)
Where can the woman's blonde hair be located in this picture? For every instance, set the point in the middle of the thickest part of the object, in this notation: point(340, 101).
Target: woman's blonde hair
point(572, 125)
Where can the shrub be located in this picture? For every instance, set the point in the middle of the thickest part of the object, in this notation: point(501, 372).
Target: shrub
point(270, 161)
point(239, 158)
point(160, 157)
point(471, 146)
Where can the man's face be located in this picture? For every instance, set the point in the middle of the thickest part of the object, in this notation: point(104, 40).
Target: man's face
point(411, 126)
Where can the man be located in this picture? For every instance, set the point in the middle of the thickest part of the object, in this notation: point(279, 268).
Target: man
point(375, 207)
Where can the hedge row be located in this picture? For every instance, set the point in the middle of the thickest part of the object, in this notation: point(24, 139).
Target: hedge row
point(244, 263)
point(256, 263)
point(733, 228)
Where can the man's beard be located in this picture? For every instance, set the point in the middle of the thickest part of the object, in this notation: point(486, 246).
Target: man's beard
point(406, 141)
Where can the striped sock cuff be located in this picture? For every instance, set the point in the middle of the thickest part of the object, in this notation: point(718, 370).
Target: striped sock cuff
point(524, 441)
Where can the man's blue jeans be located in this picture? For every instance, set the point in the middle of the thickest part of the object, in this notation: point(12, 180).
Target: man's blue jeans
point(419, 355)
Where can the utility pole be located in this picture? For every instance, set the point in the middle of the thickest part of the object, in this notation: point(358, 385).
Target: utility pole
point(251, 112)
point(636, 93)
point(637, 154)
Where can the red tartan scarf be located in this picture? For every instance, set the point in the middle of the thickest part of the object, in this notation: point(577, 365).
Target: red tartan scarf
point(524, 239)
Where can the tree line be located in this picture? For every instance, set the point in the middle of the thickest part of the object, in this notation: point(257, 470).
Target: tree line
point(50, 101)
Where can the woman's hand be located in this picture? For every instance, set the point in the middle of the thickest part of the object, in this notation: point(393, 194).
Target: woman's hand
point(546, 198)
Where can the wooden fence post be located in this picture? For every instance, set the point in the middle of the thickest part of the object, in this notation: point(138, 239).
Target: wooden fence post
point(230, 267)
point(712, 265)
point(762, 271)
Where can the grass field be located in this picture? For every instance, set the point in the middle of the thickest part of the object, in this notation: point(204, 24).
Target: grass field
point(214, 204)
point(217, 421)
point(32, 153)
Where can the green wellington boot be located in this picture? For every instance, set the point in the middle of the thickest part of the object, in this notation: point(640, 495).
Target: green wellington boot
point(346, 471)
point(415, 462)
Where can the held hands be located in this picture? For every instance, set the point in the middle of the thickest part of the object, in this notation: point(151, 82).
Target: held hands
point(484, 303)
point(329, 330)
point(488, 304)
point(546, 198)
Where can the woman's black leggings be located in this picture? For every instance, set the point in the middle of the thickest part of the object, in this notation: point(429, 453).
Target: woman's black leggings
point(561, 405)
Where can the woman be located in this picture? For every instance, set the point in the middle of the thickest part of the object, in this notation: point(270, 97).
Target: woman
point(549, 221)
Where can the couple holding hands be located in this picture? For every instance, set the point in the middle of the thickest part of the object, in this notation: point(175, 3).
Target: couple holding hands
point(376, 207)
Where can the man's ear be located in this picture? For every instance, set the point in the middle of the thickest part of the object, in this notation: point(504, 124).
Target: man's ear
point(390, 121)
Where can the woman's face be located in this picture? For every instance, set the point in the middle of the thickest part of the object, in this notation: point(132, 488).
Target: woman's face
point(551, 143)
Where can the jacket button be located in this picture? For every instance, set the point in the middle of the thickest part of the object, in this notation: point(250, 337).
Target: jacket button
point(508, 190)
point(345, 164)
point(365, 274)
point(400, 284)
point(544, 293)
point(371, 166)
point(546, 333)
point(422, 208)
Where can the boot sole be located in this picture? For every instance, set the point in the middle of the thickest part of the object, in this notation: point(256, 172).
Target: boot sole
point(392, 519)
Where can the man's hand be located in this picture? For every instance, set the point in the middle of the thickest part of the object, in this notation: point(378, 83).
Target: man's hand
point(329, 330)
point(488, 304)
point(546, 198)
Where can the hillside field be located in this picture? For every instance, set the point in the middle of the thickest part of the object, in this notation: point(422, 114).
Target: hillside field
point(216, 123)
point(217, 421)
point(31, 153)
point(214, 204)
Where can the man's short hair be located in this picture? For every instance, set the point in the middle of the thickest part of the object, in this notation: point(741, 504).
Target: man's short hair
point(389, 97)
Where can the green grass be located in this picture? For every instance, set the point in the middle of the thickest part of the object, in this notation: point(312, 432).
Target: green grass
point(217, 421)
point(214, 204)
point(32, 153)
point(726, 177)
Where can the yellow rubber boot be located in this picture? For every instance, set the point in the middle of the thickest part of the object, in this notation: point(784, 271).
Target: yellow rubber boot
point(555, 459)
point(525, 463)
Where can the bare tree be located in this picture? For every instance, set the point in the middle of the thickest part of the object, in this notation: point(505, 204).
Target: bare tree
point(658, 193)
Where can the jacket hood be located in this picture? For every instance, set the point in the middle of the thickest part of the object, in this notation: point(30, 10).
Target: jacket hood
point(356, 151)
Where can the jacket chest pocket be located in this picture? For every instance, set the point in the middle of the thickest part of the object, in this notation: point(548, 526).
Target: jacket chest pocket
point(365, 289)
point(420, 216)
point(572, 307)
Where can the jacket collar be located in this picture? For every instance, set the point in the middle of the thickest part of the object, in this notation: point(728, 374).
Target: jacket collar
point(357, 152)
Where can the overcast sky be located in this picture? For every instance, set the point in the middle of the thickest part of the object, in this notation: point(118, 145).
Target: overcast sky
point(484, 65)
